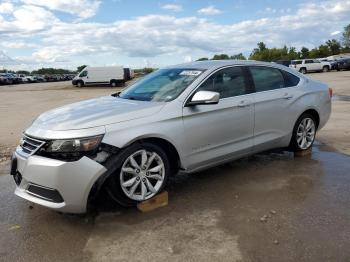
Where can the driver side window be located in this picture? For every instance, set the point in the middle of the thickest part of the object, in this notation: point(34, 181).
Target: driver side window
point(83, 74)
point(228, 82)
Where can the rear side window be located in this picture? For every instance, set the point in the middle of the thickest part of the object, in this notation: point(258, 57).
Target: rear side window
point(266, 78)
point(296, 62)
point(228, 82)
point(309, 61)
point(290, 79)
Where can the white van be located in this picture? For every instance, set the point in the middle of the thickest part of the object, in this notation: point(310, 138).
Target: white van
point(111, 75)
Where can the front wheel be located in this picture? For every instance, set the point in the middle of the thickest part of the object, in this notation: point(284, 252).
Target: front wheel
point(325, 69)
point(304, 133)
point(142, 173)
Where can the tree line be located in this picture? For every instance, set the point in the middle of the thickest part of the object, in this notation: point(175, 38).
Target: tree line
point(263, 53)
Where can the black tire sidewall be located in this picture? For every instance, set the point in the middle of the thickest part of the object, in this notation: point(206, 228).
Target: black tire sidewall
point(294, 144)
point(113, 186)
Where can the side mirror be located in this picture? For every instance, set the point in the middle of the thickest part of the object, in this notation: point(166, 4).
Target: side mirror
point(204, 98)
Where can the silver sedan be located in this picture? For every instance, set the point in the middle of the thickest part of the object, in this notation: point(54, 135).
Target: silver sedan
point(181, 118)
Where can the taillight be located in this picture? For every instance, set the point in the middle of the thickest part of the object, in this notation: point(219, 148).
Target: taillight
point(330, 91)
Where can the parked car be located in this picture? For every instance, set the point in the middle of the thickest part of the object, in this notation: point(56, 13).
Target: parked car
point(310, 65)
point(183, 118)
point(343, 64)
point(333, 63)
point(39, 78)
point(3, 79)
point(283, 62)
point(111, 75)
point(23, 78)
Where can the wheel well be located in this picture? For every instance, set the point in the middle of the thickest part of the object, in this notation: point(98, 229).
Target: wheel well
point(169, 149)
point(315, 114)
point(326, 66)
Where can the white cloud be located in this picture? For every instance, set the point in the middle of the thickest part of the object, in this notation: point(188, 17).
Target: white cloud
point(209, 10)
point(6, 8)
point(81, 8)
point(172, 38)
point(173, 7)
point(336, 33)
point(17, 44)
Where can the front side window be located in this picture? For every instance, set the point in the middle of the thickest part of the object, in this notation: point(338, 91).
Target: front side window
point(227, 82)
point(309, 61)
point(162, 86)
point(83, 74)
point(266, 78)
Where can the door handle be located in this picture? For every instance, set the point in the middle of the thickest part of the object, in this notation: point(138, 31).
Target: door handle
point(243, 103)
point(287, 96)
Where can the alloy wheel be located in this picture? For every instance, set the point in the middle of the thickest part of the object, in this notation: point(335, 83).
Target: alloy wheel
point(142, 175)
point(306, 133)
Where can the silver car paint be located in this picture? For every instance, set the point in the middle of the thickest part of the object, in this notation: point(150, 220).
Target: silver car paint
point(203, 136)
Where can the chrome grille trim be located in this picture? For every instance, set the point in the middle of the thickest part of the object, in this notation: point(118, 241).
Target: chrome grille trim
point(31, 145)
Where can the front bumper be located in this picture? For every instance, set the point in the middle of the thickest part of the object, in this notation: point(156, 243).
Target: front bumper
point(71, 180)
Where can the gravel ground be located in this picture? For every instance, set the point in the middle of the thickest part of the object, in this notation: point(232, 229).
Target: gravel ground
point(268, 207)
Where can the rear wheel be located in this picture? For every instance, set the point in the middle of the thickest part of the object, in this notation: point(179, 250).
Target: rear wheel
point(142, 173)
point(325, 69)
point(113, 83)
point(304, 133)
point(303, 70)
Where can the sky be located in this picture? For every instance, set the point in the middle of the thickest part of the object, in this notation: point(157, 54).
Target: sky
point(142, 33)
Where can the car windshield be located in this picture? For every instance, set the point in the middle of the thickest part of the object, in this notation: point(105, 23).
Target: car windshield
point(161, 86)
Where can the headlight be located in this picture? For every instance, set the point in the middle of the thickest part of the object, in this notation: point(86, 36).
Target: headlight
point(73, 145)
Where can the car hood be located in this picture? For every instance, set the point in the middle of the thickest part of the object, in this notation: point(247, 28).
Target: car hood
point(95, 112)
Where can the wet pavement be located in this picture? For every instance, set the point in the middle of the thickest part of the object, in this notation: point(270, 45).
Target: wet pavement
point(268, 207)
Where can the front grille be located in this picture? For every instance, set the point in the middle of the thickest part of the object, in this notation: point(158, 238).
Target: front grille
point(30, 145)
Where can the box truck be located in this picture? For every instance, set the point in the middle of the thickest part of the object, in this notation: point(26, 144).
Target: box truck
point(111, 75)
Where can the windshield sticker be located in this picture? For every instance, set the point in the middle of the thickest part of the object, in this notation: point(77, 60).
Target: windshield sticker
point(190, 73)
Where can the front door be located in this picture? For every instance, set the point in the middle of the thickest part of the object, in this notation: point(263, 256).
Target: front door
point(221, 131)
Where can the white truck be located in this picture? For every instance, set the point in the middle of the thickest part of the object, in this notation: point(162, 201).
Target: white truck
point(111, 75)
point(310, 65)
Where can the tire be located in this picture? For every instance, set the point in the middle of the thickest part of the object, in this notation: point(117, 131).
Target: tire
point(80, 84)
point(303, 70)
point(130, 183)
point(303, 140)
point(325, 69)
point(113, 83)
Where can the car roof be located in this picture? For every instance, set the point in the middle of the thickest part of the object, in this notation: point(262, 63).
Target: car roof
point(213, 64)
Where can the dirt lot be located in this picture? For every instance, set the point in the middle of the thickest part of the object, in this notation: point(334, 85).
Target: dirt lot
point(269, 207)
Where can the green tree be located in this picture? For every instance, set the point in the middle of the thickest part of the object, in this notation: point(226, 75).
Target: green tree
point(80, 68)
point(292, 53)
point(304, 52)
point(23, 72)
point(346, 36)
point(261, 46)
point(239, 56)
point(220, 57)
point(334, 46)
point(203, 59)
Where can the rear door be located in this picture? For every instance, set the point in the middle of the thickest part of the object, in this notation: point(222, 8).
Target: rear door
point(224, 130)
point(273, 106)
point(317, 65)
